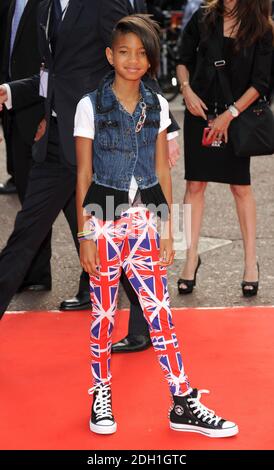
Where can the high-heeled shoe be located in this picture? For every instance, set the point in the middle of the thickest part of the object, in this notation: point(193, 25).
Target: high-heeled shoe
point(189, 283)
point(250, 288)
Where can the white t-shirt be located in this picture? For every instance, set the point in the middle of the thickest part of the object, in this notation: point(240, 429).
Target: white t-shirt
point(84, 127)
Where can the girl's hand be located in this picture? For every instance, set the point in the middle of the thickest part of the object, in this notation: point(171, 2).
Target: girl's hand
point(194, 104)
point(219, 127)
point(166, 252)
point(89, 257)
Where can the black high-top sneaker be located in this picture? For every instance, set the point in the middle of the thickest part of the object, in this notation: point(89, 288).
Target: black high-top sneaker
point(102, 420)
point(188, 414)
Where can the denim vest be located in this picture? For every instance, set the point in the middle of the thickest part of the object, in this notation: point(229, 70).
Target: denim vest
point(118, 151)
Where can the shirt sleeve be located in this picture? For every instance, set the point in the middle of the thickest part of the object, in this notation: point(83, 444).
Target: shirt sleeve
point(261, 72)
point(84, 119)
point(172, 135)
point(189, 41)
point(165, 120)
point(8, 103)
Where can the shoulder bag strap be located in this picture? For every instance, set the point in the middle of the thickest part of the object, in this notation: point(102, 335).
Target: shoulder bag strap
point(220, 64)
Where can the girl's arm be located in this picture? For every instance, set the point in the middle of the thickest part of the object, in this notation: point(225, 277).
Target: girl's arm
point(84, 176)
point(88, 253)
point(163, 173)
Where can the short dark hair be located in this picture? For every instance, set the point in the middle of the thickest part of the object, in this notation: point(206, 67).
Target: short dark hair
point(147, 31)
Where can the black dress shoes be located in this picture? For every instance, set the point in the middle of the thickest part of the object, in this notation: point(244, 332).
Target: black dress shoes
point(132, 343)
point(34, 288)
point(8, 187)
point(80, 302)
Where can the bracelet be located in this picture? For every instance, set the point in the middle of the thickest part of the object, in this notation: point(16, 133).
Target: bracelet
point(85, 235)
point(85, 232)
point(82, 239)
point(183, 85)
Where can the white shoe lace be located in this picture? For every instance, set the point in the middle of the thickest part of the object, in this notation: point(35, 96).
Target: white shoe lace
point(102, 403)
point(202, 411)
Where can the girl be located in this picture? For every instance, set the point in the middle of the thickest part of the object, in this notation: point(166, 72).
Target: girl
point(244, 31)
point(121, 147)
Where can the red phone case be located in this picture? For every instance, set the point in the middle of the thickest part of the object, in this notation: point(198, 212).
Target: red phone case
point(205, 142)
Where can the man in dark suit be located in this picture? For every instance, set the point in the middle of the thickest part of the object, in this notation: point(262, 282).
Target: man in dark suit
point(8, 187)
point(20, 125)
point(72, 39)
point(4, 8)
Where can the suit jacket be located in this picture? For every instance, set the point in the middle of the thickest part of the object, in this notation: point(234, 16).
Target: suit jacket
point(77, 67)
point(4, 7)
point(250, 66)
point(25, 61)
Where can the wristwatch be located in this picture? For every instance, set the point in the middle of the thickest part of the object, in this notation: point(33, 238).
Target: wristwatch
point(233, 110)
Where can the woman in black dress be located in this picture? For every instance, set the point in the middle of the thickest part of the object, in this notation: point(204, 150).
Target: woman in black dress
point(244, 31)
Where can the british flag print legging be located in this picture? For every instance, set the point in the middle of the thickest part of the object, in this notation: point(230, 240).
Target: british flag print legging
point(132, 243)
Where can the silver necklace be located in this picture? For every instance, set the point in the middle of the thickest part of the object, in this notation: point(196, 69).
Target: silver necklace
point(143, 115)
point(142, 118)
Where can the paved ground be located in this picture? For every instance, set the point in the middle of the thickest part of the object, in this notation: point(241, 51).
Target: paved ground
point(221, 272)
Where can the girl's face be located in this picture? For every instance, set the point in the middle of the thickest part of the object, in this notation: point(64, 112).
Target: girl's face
point(128, 57)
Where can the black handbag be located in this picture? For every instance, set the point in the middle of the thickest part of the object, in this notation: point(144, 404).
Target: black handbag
point(252, 132)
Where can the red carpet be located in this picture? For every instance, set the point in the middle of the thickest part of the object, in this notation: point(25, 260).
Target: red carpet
point(45, 376)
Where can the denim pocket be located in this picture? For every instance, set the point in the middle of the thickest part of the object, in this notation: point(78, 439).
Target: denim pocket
point(109, 134)
point(150, 132)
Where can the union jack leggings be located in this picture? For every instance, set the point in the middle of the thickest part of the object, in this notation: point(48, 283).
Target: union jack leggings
point(132, 243)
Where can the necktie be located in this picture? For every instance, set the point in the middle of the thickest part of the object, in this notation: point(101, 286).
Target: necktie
point(18, 11)
point(57, 13)
point(55, 20)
